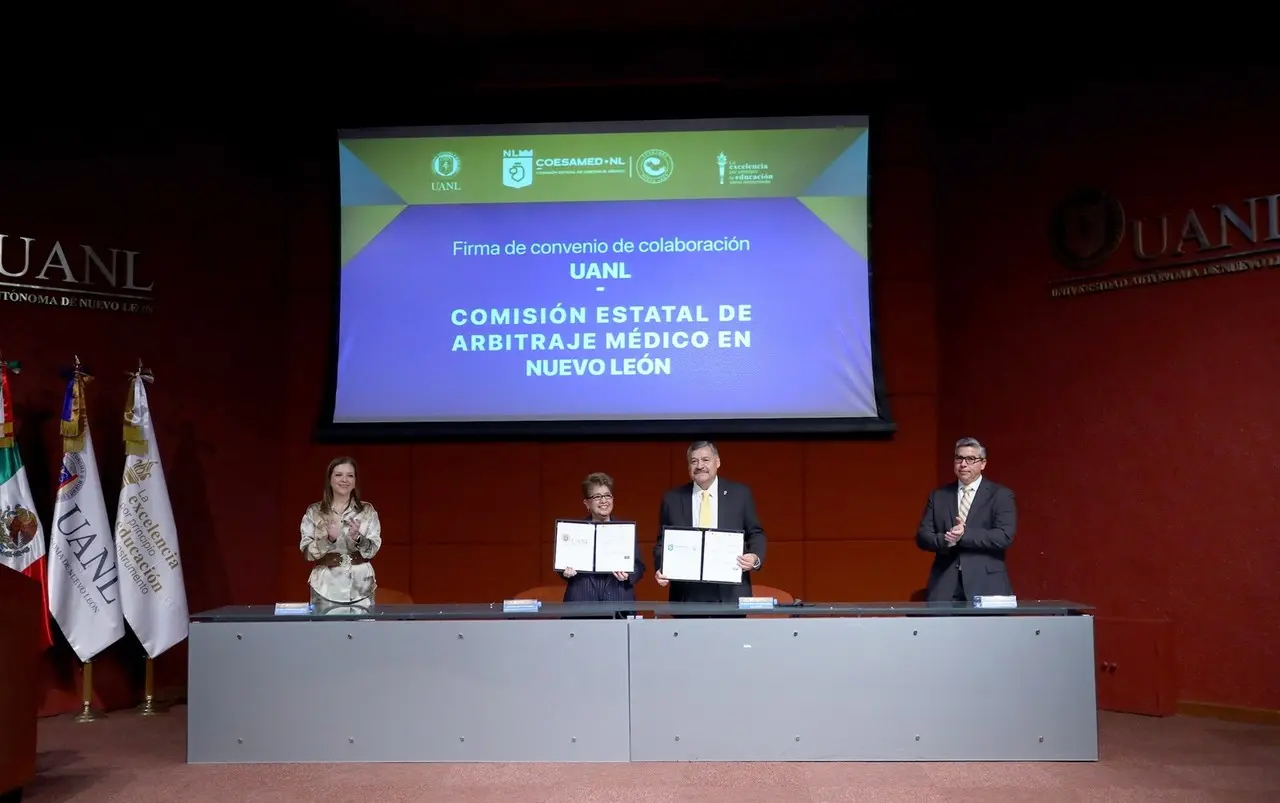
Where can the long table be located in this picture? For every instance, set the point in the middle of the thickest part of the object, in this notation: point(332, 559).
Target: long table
point(575, 683)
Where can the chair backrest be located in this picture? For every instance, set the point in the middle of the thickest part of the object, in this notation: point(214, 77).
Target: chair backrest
point(390, 596)
point(543, 593)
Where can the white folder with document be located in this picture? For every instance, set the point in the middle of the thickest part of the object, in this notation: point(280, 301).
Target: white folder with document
point(590, 547)
point(702, 555)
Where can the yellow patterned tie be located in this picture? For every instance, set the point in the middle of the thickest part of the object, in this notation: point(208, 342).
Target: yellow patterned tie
point(704, 510)
point(966, 499)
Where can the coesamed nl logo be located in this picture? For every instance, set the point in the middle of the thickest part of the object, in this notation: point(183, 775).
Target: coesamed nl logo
point(517, 168)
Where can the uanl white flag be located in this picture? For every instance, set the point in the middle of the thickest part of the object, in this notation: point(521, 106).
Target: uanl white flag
point(22, 546)
point(154, 592)
point(84, 583)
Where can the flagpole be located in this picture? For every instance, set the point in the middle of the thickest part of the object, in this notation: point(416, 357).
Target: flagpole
point(72, 434)
point(149, 707)
point(87, 714)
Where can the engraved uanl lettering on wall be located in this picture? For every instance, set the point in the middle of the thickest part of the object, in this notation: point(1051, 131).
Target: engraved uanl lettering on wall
point(1202, 241)
point(80, 276)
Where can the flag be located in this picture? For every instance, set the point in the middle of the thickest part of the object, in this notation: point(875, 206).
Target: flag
point(84, 581)
point(155, 602)
point(21, 536)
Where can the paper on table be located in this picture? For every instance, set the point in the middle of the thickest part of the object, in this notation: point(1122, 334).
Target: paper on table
point(682, 554)
point(616, 547)
point(720, 557)
point(575, 545)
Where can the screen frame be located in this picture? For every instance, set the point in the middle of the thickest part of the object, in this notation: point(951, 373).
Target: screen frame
point(328, 431)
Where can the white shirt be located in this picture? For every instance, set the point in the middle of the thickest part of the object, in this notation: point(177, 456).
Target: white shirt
point(714, 501)
point(972, 496)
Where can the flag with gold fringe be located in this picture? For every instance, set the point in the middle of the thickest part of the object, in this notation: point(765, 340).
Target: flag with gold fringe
point(75, 419)
point(22, 544)
point(155, 602)
point(84, 580)
point(6, 404)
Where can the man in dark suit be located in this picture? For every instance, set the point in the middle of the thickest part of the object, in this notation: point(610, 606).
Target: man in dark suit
point(710, 501)
point(968, 526)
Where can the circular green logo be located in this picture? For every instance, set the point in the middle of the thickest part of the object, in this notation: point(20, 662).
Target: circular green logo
point(655, 166)
point(446, 164)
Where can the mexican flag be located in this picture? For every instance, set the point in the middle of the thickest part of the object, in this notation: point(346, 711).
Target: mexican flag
point(22, 545)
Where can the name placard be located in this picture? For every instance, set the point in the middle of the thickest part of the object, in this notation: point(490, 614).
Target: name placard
point(521, 605)
point(995, 601)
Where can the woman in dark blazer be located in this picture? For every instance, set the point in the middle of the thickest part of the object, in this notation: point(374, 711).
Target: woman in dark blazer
point(597, 497)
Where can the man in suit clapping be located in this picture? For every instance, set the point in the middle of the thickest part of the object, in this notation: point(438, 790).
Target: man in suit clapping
point(968, 525)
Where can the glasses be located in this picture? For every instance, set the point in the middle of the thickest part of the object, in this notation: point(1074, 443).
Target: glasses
point(968, 460)
point(601, 498)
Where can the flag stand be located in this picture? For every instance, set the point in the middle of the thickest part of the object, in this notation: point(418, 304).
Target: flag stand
point(149, 707)
point(87, 714)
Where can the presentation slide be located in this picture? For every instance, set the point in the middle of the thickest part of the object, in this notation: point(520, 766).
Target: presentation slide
point(691, 271)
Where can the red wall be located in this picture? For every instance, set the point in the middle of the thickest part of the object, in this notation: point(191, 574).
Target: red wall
point(1138, 427)
point(210, 239)
point(1098, 410)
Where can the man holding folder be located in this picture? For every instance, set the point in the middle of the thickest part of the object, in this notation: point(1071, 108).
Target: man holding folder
point(710, 502)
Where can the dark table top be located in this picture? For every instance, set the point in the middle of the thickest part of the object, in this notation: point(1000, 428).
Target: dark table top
point(609, 610)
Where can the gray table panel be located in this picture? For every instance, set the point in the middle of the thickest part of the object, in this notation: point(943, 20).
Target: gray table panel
point(864, 689)
point(412, 691)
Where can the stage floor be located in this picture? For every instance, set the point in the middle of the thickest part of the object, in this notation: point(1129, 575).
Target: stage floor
point(127, 758)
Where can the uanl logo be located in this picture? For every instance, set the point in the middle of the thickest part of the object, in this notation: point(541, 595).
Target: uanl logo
point(71, 478)
point(76, 276)
point(1090, 234)
point(446, 165)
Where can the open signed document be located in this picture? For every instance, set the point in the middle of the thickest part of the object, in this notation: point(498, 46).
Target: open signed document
point(615, 547)
point(575, 545)
point(720, 552)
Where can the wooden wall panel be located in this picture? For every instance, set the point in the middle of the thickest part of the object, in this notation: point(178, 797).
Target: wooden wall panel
point(483, 493)
point(858, 490)
point(395, 567)
point(1136, 666)
point(475, 572)
point(864, 571)
point(914, 347)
